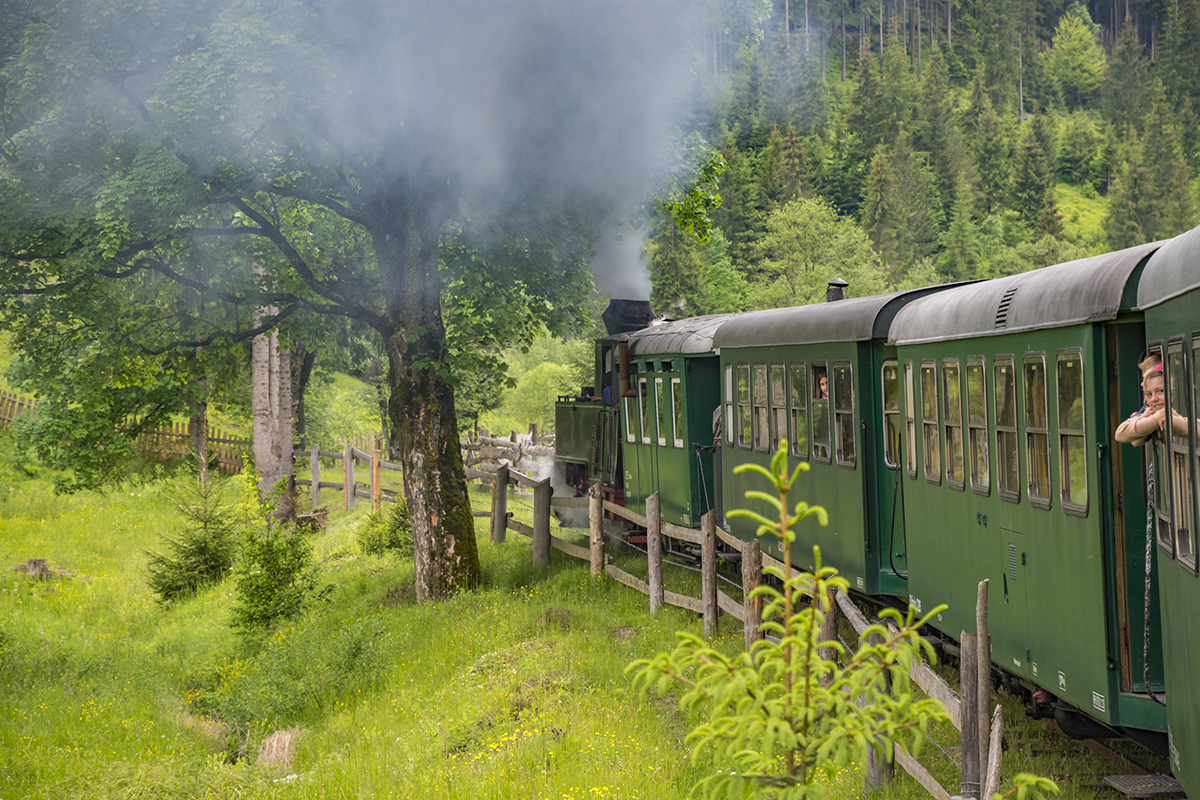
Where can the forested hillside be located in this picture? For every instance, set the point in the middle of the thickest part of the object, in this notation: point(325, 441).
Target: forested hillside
point(898, 143)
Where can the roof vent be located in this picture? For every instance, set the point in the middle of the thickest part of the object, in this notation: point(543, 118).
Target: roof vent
point(1002, 309)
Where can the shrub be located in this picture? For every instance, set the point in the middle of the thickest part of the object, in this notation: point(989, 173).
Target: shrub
point(387, 528)
point(202, 553)
point(276, 574)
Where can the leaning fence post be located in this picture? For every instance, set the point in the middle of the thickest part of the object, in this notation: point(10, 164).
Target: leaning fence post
point(654, 551)
point(880, 770)
point(348, 470)
point(596, 529)
point(752, 606)
point(314, 463)
point(708, 573)
point(376, 488)
point(541, 523)
point(500, 503)
point(984, 677)
point(968, 670)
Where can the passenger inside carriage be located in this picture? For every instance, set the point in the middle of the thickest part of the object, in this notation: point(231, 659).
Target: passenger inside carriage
point(1151, 418)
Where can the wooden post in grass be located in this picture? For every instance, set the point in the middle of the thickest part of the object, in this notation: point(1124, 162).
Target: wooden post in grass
point(500, 504)
point(596, 529)
point(880, 769)
point(376, 488)
point(314, 463)
point(708, 573)
point(984, 682)
point(541, 523)
point(968, 671)
point(751, 575)
point(654, 552)
point(348, 470)
point(37, 569)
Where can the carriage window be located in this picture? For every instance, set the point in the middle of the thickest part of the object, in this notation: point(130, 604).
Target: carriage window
point(1005, 383)
point(910, 424)
point(743, 378)
point(1037, 431)
point(952, 409)
point(630, 430)
point(762, 434)
point(1179, 445)
point(660, 402)
point(729, 438)
point(977, 431)
point(644, 405)
point(799, 411)
point(891, 414)
point(1195, 415)
point(1158, 474)
point(1072, 445)
point(843, 412)
point(778, 407)
point(931, 437)
point(820, 411)
point(676, 412)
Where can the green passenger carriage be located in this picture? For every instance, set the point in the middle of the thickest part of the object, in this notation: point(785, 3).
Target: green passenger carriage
point(1010, 392)
point(1169, 295)
point(810, 375)
point(667, 418)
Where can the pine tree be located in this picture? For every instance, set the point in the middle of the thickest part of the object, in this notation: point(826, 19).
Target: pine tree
point(1177, 64)
point(1168, 172)
point(867, 114)
point(1076, 61)
point(1107, 162)
point(1132, 206)
point(675, 271)
point(880, 217)
point(1031, 182)
point(990, 151)
point(1077, 148)
point(1125, 90)
point(938, 135)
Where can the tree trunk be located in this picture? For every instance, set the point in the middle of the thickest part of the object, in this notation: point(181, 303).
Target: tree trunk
point(302, 367)
point(198, 433)
point(271, 402)
point(424, 429)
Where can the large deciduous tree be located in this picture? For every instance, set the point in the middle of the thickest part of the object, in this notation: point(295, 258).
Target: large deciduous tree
point(336, 146)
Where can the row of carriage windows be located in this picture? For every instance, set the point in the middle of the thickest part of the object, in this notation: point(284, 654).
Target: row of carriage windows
point(941, 399)
point(1174, 463)
point(659, 422)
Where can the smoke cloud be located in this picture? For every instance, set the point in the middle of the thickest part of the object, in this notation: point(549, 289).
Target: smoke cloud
point(528, 108)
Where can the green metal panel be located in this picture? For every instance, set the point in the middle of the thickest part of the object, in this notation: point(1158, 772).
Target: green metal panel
point(850, 541)
point(1179, 587)
point(671, 461)
point(1051, 603)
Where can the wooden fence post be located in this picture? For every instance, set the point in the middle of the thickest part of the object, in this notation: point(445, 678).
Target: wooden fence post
point(541, 523)
point(376, 488)
point(654, 552)
point(348, 474)
point(708, 573)
point(596, 529)
point(984, 678)
point(500, 504)
point(751, 575)
point(314, 463)
point(968, 670)
point(880, 771)
point(533, 433)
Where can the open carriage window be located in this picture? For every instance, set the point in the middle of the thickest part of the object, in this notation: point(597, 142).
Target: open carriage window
point(799, 410)
point(820, 411)
point(890, 377)
point(977, 427)
point(1179, 435)
point(952, 409)
point(1072, 441)
point(1037, 430)
point(1005, 386)
point(778, 407)
point(930, 434)
point(843, 412)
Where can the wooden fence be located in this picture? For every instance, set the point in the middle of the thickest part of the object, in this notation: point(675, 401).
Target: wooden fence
point(376, 490)
point(175, 442)
point(980, 740)
point(484, 453)
point(11, 406)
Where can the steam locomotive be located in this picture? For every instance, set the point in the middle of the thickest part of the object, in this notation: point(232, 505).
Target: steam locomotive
point(954, 433)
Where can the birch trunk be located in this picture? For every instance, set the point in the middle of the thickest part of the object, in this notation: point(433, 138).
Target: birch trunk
point(271, 403)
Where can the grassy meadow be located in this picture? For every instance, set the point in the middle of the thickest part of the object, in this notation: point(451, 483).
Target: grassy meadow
point(516, 690)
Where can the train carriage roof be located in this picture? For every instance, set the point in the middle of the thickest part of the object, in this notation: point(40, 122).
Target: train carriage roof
point(851, 320)
point(1172, 271)
point(1073, 293)
point(682, 336)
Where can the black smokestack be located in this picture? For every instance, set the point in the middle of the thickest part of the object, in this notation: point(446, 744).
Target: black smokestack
point(834, 290)
point(627, 316)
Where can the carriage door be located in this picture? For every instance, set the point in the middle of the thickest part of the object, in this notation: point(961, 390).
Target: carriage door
point(891, 505)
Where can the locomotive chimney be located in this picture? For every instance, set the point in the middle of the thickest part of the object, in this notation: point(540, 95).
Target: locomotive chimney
point(834, 290)
point(627, 316)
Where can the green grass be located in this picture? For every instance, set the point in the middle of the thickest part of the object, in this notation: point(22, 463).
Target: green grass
point(1083, 217)
point(514, 690)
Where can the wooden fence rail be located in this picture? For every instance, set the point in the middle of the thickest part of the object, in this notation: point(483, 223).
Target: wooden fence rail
point(376, 490)
point(981, 741)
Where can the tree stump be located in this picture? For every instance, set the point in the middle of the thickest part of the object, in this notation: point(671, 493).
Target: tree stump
point(38, 571)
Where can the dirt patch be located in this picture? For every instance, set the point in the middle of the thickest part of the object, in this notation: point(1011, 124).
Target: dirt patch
point(624, 633)
point(555, 618)
point(398, 595)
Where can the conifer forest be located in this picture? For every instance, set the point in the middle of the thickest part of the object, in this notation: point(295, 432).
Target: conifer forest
point(899, 143)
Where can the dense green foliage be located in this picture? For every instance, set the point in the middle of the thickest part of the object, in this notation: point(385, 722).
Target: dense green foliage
point(386, 529)
point(947, 141)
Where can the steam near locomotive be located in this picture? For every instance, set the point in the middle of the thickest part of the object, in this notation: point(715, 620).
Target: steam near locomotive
point(955, 433)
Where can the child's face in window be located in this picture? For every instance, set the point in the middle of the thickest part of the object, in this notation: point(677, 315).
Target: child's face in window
point(1153, 393)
